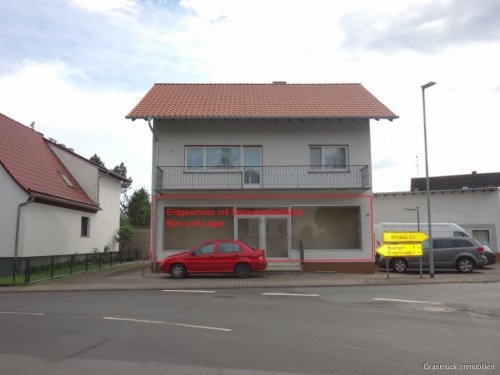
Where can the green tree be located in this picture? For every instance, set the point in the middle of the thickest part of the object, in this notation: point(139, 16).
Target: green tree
point(139, 209)
point(125, 233)
point(122, 171)
point(96, 159)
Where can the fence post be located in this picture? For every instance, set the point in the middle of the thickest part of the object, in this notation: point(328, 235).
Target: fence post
point(71, 257)
point(99, 259)
point(301, 249)
point(52, 267)
point(86, 262)
point(111, 259)
point(27, 271)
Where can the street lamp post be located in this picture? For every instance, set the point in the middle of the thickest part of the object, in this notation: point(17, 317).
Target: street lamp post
point(427, 184)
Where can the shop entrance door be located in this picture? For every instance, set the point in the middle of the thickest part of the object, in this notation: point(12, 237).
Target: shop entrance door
point(276, 237)
point(266, 232)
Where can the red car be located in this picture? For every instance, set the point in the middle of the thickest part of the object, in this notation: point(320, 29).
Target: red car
point(216, 256)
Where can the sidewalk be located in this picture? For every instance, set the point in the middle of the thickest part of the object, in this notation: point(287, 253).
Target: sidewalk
point(130, 277)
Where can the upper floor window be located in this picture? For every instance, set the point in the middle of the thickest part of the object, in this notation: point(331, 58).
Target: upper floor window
point(213, 157)
point(200, 157)
point(328, 157)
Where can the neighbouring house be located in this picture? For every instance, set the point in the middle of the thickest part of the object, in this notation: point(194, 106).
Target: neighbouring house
point(53, 201)
point(471, 201)
point(279, 166)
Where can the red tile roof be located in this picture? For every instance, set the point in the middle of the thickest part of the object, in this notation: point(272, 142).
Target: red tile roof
point(277, 100)
point(27, 157)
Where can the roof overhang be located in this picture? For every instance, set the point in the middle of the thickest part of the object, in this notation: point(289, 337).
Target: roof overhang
point(261, 118)
point(64, 203)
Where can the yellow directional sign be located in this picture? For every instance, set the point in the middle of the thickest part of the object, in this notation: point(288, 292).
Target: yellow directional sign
point(405, 236)
point(401, 250)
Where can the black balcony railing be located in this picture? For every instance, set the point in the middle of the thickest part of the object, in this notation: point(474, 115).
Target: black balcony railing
point(264, 177)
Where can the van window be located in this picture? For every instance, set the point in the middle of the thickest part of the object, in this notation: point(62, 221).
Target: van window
point(457, 233)
point(446, 243)
point(442, 243)
point(460, 243)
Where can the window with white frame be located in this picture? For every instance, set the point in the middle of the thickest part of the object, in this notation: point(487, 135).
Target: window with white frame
point(221, 157)
point(328, 157)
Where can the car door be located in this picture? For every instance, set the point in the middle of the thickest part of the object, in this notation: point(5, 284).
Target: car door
point(227, 255)
point(201, 259)
point(443, 252)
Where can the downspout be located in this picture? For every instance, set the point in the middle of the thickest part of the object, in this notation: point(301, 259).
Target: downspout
point(16, 245)
point(153, 200)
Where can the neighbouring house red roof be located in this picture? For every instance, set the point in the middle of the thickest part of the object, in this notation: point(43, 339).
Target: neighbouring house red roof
point(27, 157)
point(277, 100)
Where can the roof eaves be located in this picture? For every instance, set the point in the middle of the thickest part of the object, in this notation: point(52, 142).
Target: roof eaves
point(57, 201)
point(146, 118)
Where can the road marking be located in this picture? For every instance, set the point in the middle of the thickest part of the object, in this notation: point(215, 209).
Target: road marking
point(21, 313)
point(168, 323)
point(405, 301)
point(187, 291)
point(290, 294)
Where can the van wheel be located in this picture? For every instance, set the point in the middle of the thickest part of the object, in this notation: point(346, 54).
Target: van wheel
point(465, 265)
point(399, 265)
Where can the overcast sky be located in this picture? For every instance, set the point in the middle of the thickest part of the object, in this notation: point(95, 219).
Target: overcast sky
point(77, 67)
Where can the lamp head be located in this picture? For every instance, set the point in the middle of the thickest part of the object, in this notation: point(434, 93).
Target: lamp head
point(427, 85)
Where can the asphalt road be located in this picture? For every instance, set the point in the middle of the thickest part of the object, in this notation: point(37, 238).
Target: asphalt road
point(351, 330)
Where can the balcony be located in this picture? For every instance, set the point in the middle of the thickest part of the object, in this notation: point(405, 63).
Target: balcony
point(263, 177)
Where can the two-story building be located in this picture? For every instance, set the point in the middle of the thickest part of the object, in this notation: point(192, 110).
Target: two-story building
point(53, 201)
point(278, 166)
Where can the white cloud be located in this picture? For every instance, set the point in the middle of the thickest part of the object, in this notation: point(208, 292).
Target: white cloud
point(106, 6)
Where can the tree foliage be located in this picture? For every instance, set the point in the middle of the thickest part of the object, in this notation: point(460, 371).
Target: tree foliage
point(125, 233)
point(139, 209)
point(122, 171)
point(96, 159)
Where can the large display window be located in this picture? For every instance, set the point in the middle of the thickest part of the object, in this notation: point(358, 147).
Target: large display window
point(322, 227)
point(186, 227)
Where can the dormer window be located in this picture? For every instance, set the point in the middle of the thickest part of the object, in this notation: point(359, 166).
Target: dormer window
point(67, 180)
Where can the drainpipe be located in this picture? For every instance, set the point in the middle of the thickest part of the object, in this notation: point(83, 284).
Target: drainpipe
point(153, 191)
point(16, 245)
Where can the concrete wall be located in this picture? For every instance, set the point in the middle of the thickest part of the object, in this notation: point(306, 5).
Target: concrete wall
point(471, 209)
point(141, 240)
point(11, 195)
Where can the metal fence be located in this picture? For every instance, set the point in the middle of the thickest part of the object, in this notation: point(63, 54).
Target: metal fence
point(30, 269)
point(264, 177)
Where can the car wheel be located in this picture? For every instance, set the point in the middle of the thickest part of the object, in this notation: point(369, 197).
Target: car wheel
point(242, 270)
point(399, 265)
point(177, 271)
point(465, 265)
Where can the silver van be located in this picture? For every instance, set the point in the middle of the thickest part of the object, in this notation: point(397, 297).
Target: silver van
point(462, 253)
